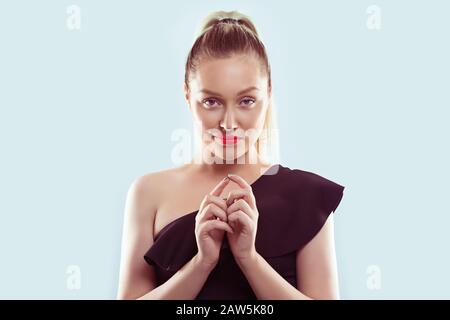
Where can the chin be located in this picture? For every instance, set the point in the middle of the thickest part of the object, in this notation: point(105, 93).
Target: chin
point(229, 155)
point(214, 153)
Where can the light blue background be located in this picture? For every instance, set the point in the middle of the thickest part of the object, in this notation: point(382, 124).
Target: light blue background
point(83, 113)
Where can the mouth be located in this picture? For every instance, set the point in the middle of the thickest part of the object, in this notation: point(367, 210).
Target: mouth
point(228, 140)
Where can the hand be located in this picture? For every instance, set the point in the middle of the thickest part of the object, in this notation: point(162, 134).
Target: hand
point(210, 225)
point(243, 218)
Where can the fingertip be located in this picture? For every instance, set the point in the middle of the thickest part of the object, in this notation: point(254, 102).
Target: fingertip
point(219, 187)
point(224, 182)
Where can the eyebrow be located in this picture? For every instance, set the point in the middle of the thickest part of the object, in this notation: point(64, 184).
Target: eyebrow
point(239, 93)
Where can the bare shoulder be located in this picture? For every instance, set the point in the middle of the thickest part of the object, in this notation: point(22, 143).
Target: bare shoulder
point(157, 180)
point(143, 198)
point(147, 191)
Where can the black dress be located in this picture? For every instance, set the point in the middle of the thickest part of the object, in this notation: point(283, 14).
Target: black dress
point(293, 206)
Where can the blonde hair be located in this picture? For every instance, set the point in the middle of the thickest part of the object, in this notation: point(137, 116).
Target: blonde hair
point(221, 35)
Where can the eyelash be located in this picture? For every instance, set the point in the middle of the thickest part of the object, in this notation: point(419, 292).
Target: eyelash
point(245, 99)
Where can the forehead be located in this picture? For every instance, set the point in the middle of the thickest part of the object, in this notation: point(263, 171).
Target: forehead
point(229, 75)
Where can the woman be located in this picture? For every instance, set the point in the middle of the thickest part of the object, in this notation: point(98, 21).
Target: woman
point(230, 224)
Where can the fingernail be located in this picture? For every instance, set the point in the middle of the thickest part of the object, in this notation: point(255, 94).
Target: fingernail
point(226, 178)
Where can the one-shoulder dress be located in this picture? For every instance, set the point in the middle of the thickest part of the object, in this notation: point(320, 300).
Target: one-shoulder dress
point(293, 206)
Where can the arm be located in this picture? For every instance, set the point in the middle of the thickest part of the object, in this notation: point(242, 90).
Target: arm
point(137, 279)
point(316, 271)
point(316, 265)
point(184, 285)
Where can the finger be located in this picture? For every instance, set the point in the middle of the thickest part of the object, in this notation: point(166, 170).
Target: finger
point(218, 201)
point(240, 194)
point(219, 187)
point(240, 181)
point(212, 211)
point(215, 224)
point(241, 218)
point(242, 205)
point(214, 197)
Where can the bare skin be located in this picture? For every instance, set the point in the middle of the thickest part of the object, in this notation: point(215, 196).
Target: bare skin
point(218, 104)
point(150, 207)
point(191, 184)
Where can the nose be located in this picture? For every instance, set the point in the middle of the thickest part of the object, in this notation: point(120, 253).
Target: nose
point(228, 122)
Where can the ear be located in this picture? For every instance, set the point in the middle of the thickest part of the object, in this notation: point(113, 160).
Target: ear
point(186, 94)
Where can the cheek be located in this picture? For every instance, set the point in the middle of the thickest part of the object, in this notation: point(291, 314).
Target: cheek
point(204, 118)
point(254, 124)
point(254, 118)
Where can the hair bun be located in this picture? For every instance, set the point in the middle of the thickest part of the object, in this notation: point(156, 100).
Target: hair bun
point(230, 17)
point(229, 20)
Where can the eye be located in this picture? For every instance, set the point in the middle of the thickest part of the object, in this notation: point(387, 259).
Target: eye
point(247, 102)
point(210, 103)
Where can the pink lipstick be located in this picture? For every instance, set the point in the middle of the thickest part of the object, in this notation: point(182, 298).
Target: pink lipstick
point(228, 140)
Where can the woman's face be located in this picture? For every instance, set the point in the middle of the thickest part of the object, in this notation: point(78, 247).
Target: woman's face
point(229, 98)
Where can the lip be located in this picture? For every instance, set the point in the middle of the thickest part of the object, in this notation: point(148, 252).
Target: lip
point(228, 140)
